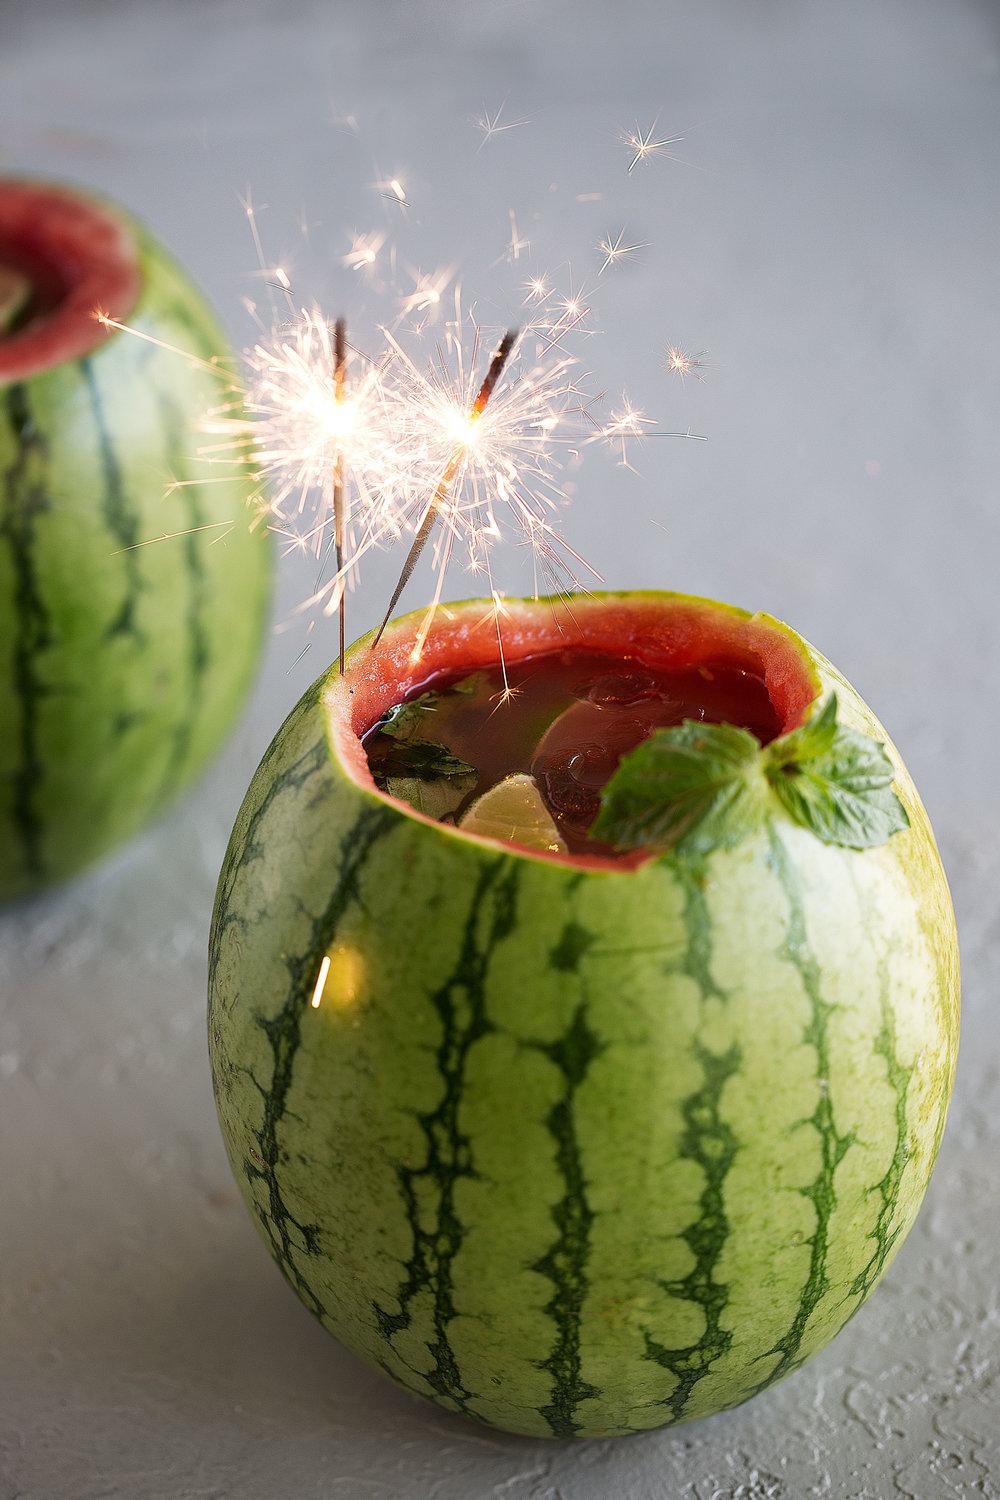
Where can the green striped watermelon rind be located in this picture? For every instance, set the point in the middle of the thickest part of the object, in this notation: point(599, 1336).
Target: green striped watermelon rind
point(574, 1152)
point(123, 659)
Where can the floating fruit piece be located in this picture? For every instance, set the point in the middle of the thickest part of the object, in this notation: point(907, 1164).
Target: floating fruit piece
point(513, 811)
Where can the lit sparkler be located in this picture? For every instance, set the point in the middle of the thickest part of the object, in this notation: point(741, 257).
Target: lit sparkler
point(314, 437)
point(488, 455)
point(464, 439)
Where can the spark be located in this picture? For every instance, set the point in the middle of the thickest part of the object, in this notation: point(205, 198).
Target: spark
point(169, 536)
point(615, 251)
point(679, 363)
point(213, 366)
point(428, 291)
point(625, 424)
point(491, 127)
point(517, 244)
point(364, 251)
point(644, 146)
point(537, 289)
point(393, 190)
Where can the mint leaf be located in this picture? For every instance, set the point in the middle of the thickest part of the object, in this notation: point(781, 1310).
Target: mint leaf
point(426, 775)
point(688, 786)
point(437, 799)
point(407, 721)
point(836, 782)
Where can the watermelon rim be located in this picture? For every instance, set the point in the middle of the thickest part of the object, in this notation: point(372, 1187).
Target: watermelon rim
point(660, 628)
point(82, 258)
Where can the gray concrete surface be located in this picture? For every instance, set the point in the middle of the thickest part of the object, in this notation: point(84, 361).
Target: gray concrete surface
point(829, 236)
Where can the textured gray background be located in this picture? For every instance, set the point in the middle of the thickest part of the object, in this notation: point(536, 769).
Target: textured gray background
point(830, 238)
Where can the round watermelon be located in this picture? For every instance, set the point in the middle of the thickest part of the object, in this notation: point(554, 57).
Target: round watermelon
point(576, 1146)
point(133, 591)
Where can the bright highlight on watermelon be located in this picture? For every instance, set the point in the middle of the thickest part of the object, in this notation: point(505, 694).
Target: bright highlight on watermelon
point(133, 593)
point(584, 1144)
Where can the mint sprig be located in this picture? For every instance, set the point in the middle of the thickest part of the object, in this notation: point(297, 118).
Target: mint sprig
point(698, 787)
point(837, 782)
point(686, 785)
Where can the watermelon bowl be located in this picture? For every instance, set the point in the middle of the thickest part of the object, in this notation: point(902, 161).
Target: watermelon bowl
point(569, 1145)
point(133, 591)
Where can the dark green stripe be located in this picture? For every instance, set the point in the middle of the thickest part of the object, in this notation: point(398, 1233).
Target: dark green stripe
point(566, 1260)
point(178, 437)
point(119, 518)
point(833, 1147)
point(287, 1236)
point(708, 1141)
point(898, 1077)
point(461, 1007)
point(24, 500)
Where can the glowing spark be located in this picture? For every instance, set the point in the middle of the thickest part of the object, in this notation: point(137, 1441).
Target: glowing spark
point(679, 363)
point(213, 366)
point(538, 289)
point(169, 536)
point(623, 425)
point(615, 251)
point(491, 127)
point(364, 251)
point(517, 244)
point(427, 292)
point(394, 191)
point(324, 970)
point(644, 146)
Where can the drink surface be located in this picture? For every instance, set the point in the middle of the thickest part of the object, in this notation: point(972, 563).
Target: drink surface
point(566, 719)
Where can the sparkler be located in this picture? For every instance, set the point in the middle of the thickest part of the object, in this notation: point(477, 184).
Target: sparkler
point(451, 468)
point(314, 437)
point(339, 396)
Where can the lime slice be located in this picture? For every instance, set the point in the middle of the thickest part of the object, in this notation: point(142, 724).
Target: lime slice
point(15, 290)
point(513, 810)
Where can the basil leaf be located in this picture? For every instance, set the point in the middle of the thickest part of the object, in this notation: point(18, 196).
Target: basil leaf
point(837, 782)
point(688, 787)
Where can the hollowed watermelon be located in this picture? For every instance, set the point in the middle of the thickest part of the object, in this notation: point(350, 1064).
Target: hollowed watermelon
point(575, 1147)
point(123, 658)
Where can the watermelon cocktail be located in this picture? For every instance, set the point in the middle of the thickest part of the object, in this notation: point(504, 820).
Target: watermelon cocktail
point(609, 1121)
point(132, 590)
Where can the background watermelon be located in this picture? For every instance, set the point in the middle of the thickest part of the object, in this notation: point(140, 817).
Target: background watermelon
point(571, 1149)
point(121, 664)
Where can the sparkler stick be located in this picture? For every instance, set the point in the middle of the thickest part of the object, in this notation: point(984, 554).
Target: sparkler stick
point(444, 483)
point(340, 382)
